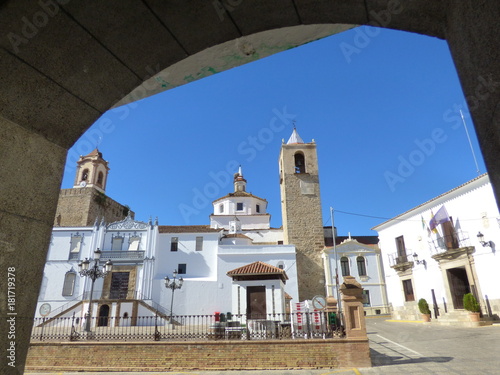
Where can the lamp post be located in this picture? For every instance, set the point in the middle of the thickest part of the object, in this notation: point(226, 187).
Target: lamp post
point(173, 285)
point(93, 273)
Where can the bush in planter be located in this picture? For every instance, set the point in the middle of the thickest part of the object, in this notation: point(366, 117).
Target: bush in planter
point(423, 306)
point(470, 303)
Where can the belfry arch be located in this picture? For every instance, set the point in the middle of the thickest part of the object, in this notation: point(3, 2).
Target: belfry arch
point(64, 63)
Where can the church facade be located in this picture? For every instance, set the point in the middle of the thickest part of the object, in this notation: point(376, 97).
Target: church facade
point(237, 263)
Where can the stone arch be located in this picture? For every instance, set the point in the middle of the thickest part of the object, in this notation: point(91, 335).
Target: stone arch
point(63, 64)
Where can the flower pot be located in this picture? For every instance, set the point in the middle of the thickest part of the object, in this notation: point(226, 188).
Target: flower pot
point(426, 318)
point(474, 316)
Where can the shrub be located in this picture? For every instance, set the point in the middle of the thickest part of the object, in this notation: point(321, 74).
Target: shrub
point(423, 306)
point(470, 303)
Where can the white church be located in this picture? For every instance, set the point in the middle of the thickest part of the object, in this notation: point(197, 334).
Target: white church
point(236, 264)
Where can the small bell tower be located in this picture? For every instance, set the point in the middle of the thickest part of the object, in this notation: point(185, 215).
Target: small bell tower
point(301, 212)
point(92, 171)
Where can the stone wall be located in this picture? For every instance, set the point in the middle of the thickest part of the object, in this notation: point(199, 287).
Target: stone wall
point(216, 355)
point(81, 207)
point(302, 217)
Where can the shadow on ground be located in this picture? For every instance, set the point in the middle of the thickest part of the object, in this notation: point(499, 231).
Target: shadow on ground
point(379, 359)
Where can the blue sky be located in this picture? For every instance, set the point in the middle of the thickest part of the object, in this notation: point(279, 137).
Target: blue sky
point(383, 110)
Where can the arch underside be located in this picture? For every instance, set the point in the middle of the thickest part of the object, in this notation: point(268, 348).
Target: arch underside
point(64, 63)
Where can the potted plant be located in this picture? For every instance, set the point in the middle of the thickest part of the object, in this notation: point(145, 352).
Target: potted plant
point(423, 306)
point(471, 305)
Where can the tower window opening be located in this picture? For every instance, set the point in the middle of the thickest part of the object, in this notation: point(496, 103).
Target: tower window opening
point(100, 178)
point(239, 206)
point(257, 208)
point(300, 165)
point(85, 175)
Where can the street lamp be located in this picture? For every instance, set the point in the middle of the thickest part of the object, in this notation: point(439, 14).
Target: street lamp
point(173, 285)
point(94, 273)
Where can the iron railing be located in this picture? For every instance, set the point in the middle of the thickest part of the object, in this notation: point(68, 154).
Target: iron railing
point(450, 242)
point(304, 325)
point(396, 259)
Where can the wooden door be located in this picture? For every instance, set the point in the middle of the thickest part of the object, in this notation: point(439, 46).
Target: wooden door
point(256, 302)
point(459, 286)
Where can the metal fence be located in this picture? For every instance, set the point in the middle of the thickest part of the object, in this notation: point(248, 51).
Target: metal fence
point(304, 325)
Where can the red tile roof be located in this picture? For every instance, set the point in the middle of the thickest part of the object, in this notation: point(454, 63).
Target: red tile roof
point(258, 268)
point(236, 235)
point(187, 229)
point(239, 194)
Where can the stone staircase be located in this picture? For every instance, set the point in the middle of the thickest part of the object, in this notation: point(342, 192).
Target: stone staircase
point(461, 318)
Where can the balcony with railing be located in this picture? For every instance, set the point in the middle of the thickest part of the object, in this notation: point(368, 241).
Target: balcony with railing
point(401, 262)
point(451, 246)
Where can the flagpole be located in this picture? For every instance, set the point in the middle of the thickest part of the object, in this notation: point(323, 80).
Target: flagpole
point(470, 143)
point(336, 263)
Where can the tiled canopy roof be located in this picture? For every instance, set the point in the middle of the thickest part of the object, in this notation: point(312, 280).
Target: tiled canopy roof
point(258, 268)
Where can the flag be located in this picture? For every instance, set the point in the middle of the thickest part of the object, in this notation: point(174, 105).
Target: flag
point(424, 226)
point(440, 217)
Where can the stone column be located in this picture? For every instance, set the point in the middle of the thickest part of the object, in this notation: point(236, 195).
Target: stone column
point(352, 306)
point(472, 35)
point(30, 179)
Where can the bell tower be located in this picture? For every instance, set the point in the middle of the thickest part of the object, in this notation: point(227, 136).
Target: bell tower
point(301, 212)
point(92, 171)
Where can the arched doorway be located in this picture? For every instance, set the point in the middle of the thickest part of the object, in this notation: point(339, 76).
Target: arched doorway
point(103, 316)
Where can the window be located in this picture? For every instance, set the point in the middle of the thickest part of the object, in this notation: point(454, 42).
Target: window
point(100, 178)
point(119, 285)
point(280, 242)
point(116, 243)
point(174, 242)
point(239, 206)
point(69, 283)
point(199, 243)
point(75, 245)
point(281, 265)
point(400, 245)
point(361, 266)
point(133, 244)
point(366, 297)
point(408, 290)
point(85, 175)
point(257, 208)
point(450, 235)
point(344, 265)
point(181, 269)
point(300, 165)
point(221, 208)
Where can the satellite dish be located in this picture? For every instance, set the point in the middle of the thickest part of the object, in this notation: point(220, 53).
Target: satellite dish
point(83, 183)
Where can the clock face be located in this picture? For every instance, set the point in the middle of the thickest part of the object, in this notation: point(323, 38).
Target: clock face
point(45, 309)
point(319, 302)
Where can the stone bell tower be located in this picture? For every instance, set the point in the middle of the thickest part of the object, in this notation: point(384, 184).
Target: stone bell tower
point(301, 212)
point(86, 202)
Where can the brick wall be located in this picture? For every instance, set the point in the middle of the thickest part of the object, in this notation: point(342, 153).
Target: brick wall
point(216, 355)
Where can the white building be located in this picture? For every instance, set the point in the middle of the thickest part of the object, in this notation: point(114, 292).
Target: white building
point(359, 257)
point(214, 262)
point(435, 251)
point(236, 264)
